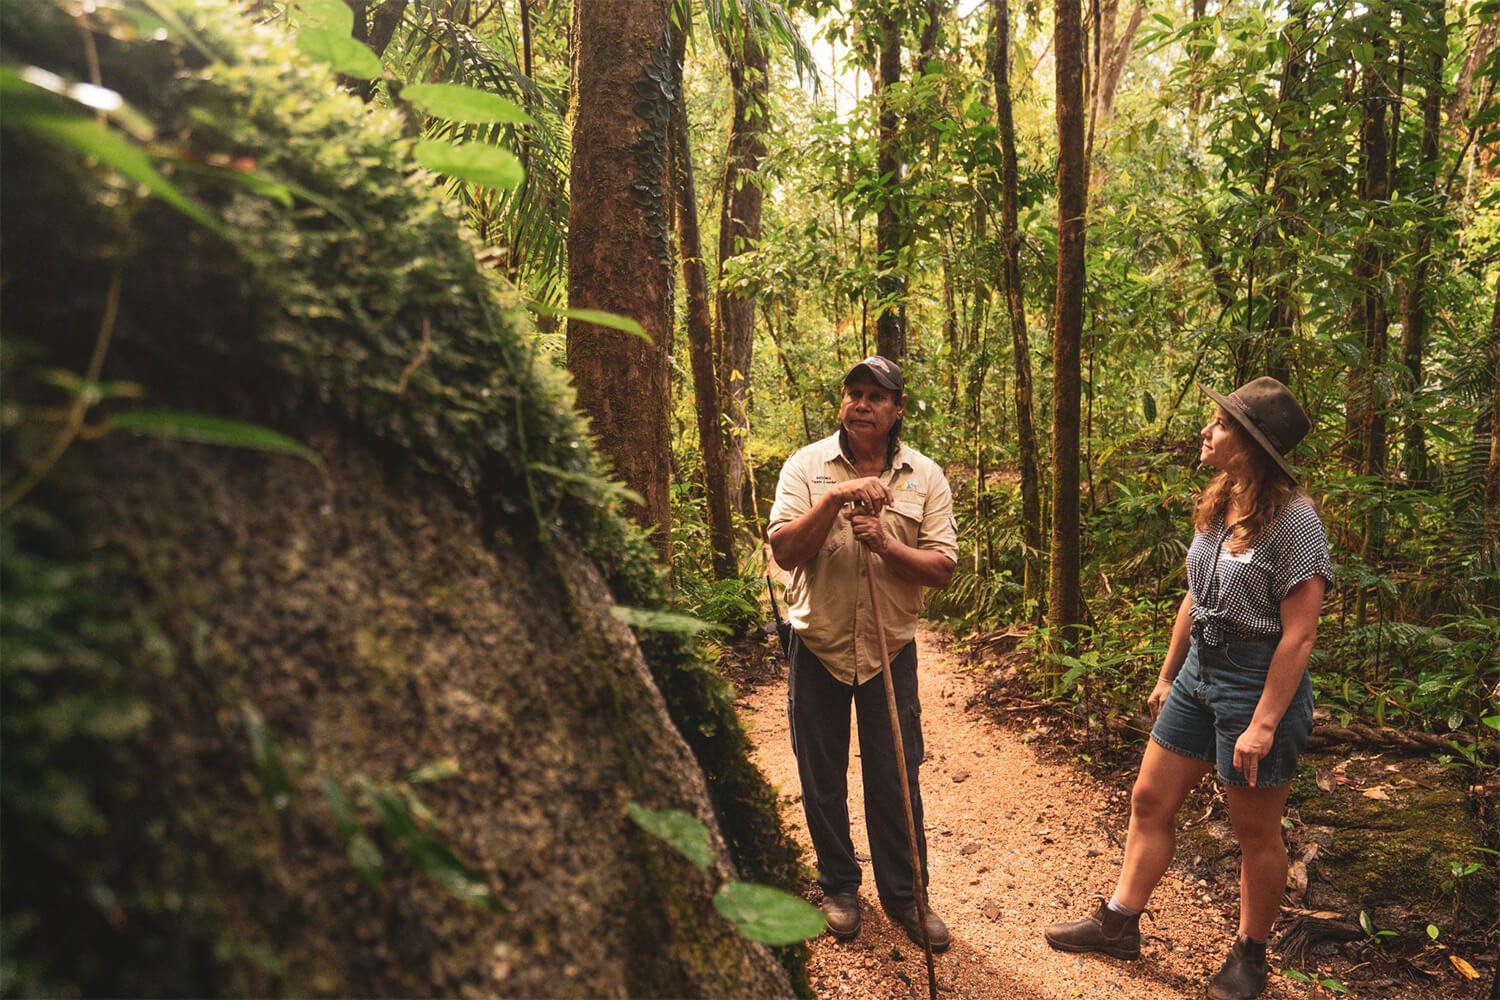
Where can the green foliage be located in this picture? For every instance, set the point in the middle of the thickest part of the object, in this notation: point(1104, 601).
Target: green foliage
point(683, 832)
point(767, 914)
point(209, 430)
point(760, 912)
point(462, 104)
point(476, 163)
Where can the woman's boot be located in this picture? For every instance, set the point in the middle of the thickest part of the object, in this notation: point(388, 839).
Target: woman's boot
point(1106, 932)
point(1244, 973)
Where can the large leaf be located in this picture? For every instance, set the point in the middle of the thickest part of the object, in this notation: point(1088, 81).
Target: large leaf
point(108, 147)
point(766, 914)
point(649, 620)
point(681, 830)
point(598, 317)
point(347, 55)
point(458, 103)
point(209, 430)
point(475, 162)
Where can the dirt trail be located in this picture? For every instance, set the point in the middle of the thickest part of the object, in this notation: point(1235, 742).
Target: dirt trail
point(1014, 843)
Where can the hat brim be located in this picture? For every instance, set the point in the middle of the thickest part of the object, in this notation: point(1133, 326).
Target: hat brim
point(873, 376)
point(1235, 410)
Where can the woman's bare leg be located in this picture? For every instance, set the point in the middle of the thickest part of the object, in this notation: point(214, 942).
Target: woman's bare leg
point(1164, 781)
point(1256, 816)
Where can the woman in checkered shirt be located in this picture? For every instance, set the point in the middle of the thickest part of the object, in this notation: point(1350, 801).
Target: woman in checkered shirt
point(1233, 694)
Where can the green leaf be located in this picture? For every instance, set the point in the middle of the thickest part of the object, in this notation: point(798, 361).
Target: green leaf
point(345, 54)
point(343, 816)
point(648, 620)
point(112, 150)
point(429, 855)
point(766, 914)
point(598, 317)
point(334, 15)
point(463, 104)
point(1493, 721)
point(682, 831)
point(365, 857)
point(1364, 921)
point(1432, 931)
point(209, 430)
point(434, 770)
point(475, 162)
point(273, 781)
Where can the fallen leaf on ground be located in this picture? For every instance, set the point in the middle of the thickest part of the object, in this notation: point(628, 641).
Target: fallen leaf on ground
point(1464, 968)
point(1377, 793)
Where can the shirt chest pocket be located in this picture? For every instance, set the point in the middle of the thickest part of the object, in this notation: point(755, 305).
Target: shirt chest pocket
point(837, 534)
point(1245, 577)
point(906, 519)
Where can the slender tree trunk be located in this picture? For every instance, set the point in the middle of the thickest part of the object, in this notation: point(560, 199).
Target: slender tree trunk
point(1114, 52)
point(375, 24)
point(1366, 413)
point(700, 338)
point(1413, 301)
point(526, 40)
point(1026, 439)
point(1065, 603)
point(1197, 60)
point(1485, 34)
point(619, 254)
point(890, 325)
point(1492, 470)
point(739, 232)
point(1281, 321)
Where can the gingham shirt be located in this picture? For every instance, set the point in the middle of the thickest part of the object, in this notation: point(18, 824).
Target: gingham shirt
point(1240, 595)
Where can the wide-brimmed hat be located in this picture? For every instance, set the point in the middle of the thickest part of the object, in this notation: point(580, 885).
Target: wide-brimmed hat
point(883, 371)
point(1270, 413)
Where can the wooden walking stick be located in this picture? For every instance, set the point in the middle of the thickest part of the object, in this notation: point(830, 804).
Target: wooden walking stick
point(919, 889)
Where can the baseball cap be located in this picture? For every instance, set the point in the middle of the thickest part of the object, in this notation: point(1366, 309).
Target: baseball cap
point(883, 371)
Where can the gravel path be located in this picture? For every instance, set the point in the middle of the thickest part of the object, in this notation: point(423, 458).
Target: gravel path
point(1014, 843)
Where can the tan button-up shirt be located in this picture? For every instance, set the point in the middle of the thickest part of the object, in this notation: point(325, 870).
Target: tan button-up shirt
point(828, 601)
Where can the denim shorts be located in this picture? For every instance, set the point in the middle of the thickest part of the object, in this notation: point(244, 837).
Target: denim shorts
point(1212, 702)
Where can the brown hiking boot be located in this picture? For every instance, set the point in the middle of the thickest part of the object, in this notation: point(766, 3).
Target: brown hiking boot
point(1107, 932)
point(841, 913)
point(937, 931)
point(1244, 973)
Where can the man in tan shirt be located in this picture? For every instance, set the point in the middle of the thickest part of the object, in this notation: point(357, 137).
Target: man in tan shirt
point(861, 487)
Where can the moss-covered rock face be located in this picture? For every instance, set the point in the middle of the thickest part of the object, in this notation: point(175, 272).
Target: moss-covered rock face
point(1392, 854)
point(282, 651)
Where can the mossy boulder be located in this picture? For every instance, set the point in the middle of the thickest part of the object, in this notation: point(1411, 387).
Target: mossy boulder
point(369, 728)
point(1388, 835)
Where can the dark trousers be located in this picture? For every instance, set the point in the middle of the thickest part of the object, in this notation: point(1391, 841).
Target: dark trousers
point(818, 709)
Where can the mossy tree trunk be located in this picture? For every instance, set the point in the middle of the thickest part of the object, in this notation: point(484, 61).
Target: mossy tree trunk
point(619, 252)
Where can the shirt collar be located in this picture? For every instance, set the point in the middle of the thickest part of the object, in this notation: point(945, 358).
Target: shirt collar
point(831, 451)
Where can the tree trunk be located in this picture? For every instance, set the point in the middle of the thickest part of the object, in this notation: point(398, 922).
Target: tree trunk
point(890, 326)
point(375, 23)
point(1413, 300)
point(700, 337)
point(739, 232)
point(1026, 439)
point(1366, 413)
point(1485, 34)
point(619, 257)
point(1281, 321)
point(1114, 52)
point(1065, 603)
point(1197, 60)
point(1492, 470)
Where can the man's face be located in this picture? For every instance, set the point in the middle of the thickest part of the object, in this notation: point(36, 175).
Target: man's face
point(869, 408)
